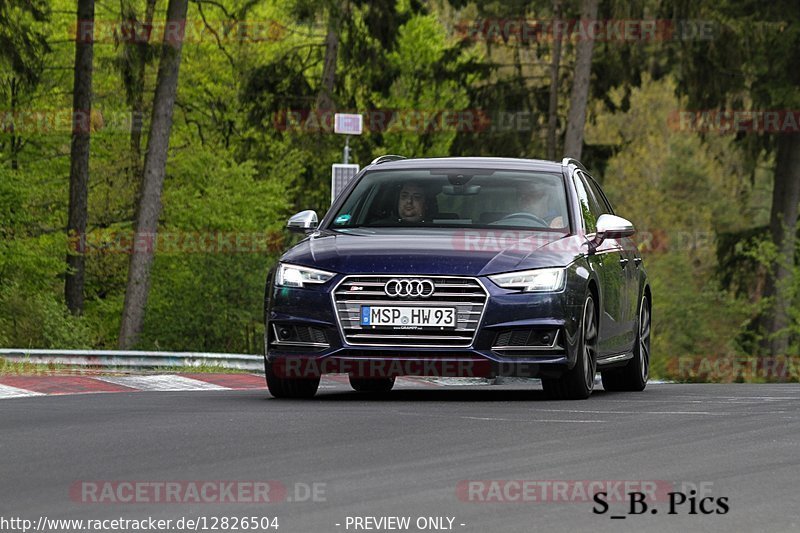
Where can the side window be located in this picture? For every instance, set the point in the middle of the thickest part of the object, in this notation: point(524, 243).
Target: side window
point(602, 201)
point(590, 209)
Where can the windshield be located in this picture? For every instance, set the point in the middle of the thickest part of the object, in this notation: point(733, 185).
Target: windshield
point(462, 198)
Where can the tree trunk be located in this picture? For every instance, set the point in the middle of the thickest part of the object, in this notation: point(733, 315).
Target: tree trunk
point(576, 119)
point(552, 112)
point(783, 223)
point(149, 208)
point(79, 157)
point(137, 109)
point(325, 95)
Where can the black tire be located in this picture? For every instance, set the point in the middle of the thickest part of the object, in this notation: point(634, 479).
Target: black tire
point(289, 387)
point(578, 383)
point(633, 376)
point(371, 384)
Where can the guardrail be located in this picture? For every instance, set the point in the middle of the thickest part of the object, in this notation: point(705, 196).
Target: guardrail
point(132, 359)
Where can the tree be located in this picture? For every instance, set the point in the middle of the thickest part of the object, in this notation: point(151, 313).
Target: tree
point(136, 54)
point(325, 95)
point(576, 119)
point(552, 110)
point(79, 154)
point(782, 224)
point(23, 47)
point(149, 208)
point(751, 61)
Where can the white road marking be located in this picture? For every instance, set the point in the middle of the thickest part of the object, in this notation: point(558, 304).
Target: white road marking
point(533, 420)
point(163, 383)
point(341, 382)
point(497, 419)
point(704, 413)
point(7, 391)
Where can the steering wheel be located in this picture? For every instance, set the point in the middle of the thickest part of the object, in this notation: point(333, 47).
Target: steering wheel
point(531, 216)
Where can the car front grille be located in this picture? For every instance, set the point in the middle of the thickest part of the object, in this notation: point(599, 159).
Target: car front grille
point(467, 295)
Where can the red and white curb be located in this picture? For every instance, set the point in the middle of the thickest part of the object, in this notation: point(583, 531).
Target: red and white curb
point(27, 386)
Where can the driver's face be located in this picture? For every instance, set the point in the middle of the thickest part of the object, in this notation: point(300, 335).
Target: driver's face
point(534, 202)
point(411, 205)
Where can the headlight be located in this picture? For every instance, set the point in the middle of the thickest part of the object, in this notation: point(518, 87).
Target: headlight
point(300, 276)
point(539, 280)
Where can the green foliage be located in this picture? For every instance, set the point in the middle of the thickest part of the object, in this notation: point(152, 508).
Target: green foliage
point(691, 316)
point(223, 232)
point(419, 87)
point(23, 44)
point(219, 300)
point(236, 172)
point(30, 259)
point(38, 320)
point(676, 191)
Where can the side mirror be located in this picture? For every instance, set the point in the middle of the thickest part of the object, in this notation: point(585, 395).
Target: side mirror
point(611, 227)
point(303, 221)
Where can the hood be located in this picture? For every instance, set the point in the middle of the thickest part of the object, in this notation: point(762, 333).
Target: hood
point(433, 251)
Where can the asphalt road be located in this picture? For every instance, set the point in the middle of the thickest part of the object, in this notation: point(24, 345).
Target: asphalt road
point(423, 452)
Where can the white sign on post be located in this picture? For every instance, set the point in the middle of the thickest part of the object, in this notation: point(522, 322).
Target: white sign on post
point(347, 124)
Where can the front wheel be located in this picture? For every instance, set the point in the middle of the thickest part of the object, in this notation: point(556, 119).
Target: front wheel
point(578, 383)
point(371, 384)
point(289, 387)
point(634, 375)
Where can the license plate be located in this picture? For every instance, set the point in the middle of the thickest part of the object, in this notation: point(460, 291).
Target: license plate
point(438, 317)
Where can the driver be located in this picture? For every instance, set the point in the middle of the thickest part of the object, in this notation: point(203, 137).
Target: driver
point(412, 203)
point(535, 199)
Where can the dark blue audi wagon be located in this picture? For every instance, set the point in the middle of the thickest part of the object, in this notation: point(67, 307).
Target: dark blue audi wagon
point(463, 267)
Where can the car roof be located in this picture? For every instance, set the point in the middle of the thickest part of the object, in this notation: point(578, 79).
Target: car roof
point(506, 163)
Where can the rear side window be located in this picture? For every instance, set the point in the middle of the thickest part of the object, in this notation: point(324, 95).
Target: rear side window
point(598, 194)
point(590, 208)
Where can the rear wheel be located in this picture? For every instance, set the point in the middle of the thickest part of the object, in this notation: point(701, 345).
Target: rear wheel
point(289, 387)
point(371, 384)
point(578, 383)
point(633, 376)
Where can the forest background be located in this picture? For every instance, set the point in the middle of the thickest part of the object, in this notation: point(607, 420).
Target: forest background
point(687, 112)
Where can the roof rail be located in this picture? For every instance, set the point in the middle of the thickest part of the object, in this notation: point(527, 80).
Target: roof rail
point(567, 161)
point(388, 157)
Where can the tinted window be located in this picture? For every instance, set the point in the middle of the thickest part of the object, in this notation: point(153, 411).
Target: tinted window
point(590, 208)
point(457, 198)
point(597, 192)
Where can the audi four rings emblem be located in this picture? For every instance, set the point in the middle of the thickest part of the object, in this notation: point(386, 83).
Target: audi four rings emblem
point(409, 288)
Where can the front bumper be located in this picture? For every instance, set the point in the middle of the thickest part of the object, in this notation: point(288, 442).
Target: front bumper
point(310, 314)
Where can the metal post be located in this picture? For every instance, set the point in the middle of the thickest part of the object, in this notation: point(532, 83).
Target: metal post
point(346, 149)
